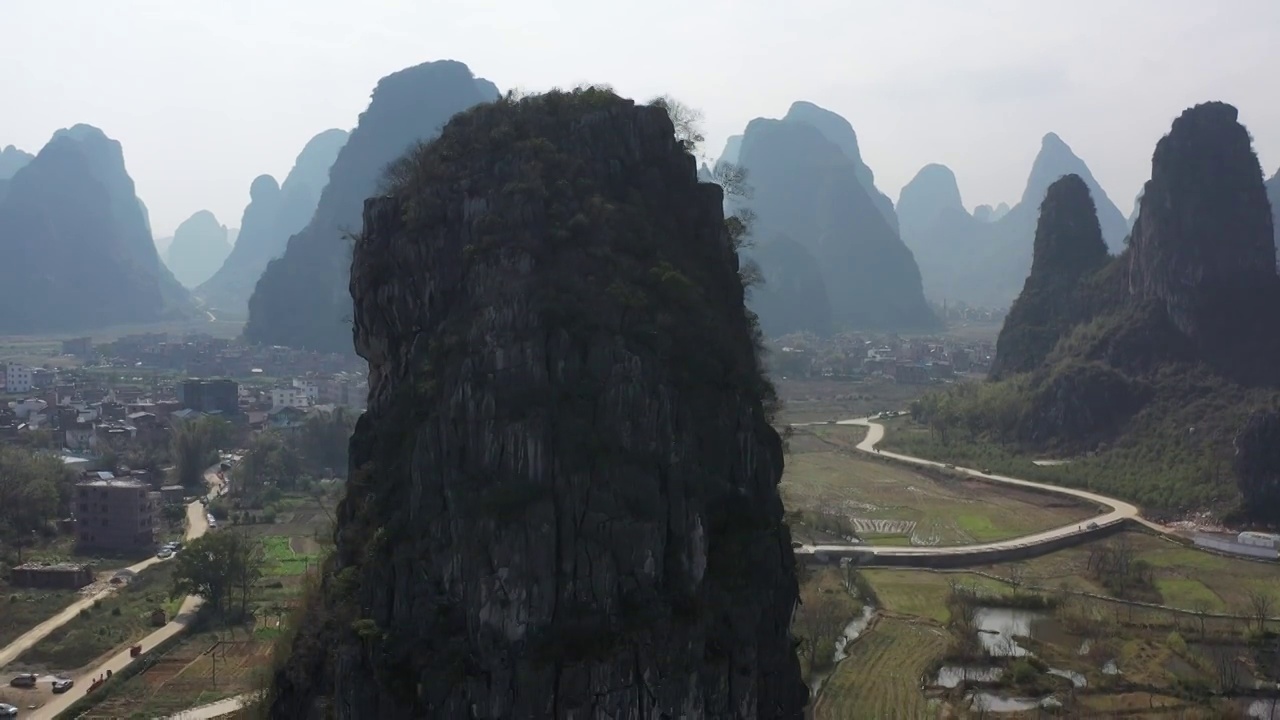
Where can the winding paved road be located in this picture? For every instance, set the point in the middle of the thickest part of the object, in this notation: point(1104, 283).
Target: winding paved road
point(1117, 511)
point(197, 525)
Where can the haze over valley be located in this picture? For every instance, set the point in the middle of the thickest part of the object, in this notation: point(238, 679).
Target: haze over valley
point(701, 361)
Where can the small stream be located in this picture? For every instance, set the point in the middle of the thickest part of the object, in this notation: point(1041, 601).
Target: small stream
point(856, 627)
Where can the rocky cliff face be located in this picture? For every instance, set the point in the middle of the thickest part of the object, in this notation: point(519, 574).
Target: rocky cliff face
point(301, 299)
point(274, 214)
point(806, 188)
point(563, 500)
point(1203, 244)
point(1273, 196)
point(1068, 248)
point(199, 246)
point(86, 251)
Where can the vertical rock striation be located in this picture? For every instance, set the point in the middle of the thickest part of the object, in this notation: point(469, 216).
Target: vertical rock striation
point(1068, 248)
point(1203, 243)
point(564, 497)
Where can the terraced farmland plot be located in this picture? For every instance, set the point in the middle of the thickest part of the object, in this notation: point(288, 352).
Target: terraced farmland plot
point(881, 676)
point(827, 485)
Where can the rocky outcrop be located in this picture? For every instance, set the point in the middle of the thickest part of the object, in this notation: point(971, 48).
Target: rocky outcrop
point(199, 246)
point(1068, 248)
point(86, 252)
point(1056, 160)
point(563, 499)
point(1001, 210)
point(792, 295)
point(274, 214)
point(1203, 245)
point(839, 132)
point(806, 188)
point(981, 213)
point(301, 299)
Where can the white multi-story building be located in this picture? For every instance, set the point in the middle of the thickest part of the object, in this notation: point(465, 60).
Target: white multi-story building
point(17, 378)
point(289, 396)
point(310, 388)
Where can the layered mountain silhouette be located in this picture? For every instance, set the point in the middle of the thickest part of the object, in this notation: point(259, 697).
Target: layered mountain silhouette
point(274, 214)
point(81, 246)
point(1119, 349)
point(302, 299)
point(198, 248)
point(838, 130)
point(1068, 247)
point(810, 187)
point(982, 259)
point(11, 161)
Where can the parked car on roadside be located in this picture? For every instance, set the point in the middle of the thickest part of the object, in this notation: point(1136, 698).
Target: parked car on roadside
point(24, 680)
point(8, 710)
point(61, 685)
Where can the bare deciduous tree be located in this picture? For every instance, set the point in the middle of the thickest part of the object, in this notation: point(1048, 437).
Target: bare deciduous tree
point(1260, 603)
point(1201, 608)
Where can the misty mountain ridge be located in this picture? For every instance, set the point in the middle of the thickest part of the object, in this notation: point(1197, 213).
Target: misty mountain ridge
point(197, 250)
point(808, 191)
point(302, 298)
point(980, 258)
point(88, 258)
point(274, 214)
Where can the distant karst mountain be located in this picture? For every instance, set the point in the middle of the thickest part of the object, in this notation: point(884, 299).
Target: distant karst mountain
point(302, 300)
point(1160, 353)
point(807, 188)
point(838, 130)
point(198, 248)
point(85, 256)
point(274, 214)
point(964, 258)
point(12, 160)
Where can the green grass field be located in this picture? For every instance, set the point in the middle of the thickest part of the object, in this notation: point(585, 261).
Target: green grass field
point(281, 558)
point(827, 482)
point(881, 677)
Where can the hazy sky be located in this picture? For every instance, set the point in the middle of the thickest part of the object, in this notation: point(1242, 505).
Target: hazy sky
point(207, 95)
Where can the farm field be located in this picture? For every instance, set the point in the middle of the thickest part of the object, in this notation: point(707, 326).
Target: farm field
point(881, 677)
point(1136, 661)
point(817, 399)
point(831, 490)
point(204, 667)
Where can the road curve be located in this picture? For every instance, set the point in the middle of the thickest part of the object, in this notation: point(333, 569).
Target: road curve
point(1117, 511)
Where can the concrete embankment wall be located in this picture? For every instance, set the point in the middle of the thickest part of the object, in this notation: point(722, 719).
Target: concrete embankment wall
point(864, 555)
